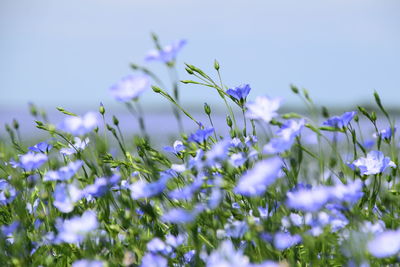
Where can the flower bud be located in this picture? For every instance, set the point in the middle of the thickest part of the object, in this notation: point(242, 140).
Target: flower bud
point(294, 89)
point(229, 121)
point(102, 110)
point(15, 124)
point(216, 65)
point(207, 109)
point(115, 121)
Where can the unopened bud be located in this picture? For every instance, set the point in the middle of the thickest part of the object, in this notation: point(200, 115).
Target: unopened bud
point(229, 121)
point(156, 89)
point(33, 109)
point(294, 89)
point(373, 115)
point(15, 124)
point(102, 110)
point(189, 71)
point(216, 65)
point(115, 121)
point(325, 112)
point(207, 109)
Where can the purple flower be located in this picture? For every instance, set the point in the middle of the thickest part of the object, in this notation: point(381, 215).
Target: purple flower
point(130, 87)
point(65, 197)
point(75, 230)
point(283, 241)
point(166, 54)
point(88, 263)
point(42, 147)
point(201, 135)
point(255, 181)
point(286, 137)
point(374, 163)
point(263, 108)
point(385, 244)
point(239, 93)
point(64, 173)
point(76, 125)
point(154, 260)
point(31, 161)
point(340, 121)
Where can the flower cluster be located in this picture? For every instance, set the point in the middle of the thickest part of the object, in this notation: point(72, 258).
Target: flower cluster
point(267, 189)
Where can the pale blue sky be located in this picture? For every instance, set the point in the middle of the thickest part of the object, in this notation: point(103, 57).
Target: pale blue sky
point(68, 53)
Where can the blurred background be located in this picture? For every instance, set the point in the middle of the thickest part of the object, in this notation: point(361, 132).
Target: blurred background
point(68, 53)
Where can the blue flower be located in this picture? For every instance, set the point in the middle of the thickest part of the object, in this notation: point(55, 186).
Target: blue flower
point(7, 192)
point(166, 54)
point(157, 245)
point(340, 121)
point(76, 229)
point(385, 244)
point(374, 163)
point(311, 200)
point(88, 263)
point(283, 241)
point(227, 255)
point(239, 93)
point(143, 189)
point(263, 108)
point(78, 145)
point(130, 87)
point(154, 260)
point(187, 191)
point(64, 173)
point(65, 197)
point(101, 186)
point(236, 229)
point(178, 215)
point(350, 192)
point(218, 152)
point(8, 230)
point(385, 133)
point(42, 147)
point(76, 125)
point(31, 161)
point(237, 159)
point(286, 137)
point(176, 148)
point(255, 181)
point(201, 135)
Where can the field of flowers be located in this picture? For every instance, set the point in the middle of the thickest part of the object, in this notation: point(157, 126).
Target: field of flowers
point(280, 189)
